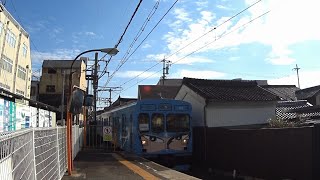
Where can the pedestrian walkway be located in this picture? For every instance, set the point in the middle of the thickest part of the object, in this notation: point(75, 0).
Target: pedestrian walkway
point(94, 164)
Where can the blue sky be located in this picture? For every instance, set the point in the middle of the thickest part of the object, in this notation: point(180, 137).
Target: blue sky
point(268, 48)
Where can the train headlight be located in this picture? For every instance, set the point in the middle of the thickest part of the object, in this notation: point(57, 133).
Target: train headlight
point(185, 141)
point(144, 142)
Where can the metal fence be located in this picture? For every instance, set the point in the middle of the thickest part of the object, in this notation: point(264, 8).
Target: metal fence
point(38, 153)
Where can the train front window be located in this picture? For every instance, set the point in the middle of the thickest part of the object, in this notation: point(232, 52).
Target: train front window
point(178, 123)
point(144, 122)
point(157, 123)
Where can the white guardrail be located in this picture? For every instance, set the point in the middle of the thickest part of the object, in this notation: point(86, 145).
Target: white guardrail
point(36, 153)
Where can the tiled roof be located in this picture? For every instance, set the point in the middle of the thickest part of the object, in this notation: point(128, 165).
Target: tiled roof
point(170, 82)
point(157, 92)
point(284, 92)
point(120, 101)
point(308, 92)
point(229, 90)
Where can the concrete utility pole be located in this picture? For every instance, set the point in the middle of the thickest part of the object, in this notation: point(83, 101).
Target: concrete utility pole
point(165, 69)
point(297, 69)
point(95, 86)
point(62, 99)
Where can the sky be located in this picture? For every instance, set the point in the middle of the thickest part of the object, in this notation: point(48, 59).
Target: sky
point(265, 42)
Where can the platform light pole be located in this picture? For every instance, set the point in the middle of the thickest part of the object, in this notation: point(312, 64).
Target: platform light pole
point(111, 52)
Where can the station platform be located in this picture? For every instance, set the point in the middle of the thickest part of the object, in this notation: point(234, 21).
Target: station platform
point(98, 164)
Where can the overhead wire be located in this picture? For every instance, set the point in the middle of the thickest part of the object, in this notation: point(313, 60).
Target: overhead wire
point(221, 36)
point(141, 30)
point(142, 41)
point(229, 19)
point(122, 35)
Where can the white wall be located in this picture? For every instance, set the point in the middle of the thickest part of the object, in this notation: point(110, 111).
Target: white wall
point(239, 113)
point(197, 102)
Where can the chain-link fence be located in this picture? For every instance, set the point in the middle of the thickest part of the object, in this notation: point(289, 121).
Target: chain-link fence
point(38, 153)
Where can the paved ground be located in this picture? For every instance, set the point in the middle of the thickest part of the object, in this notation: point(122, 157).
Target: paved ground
point(98, 165)
point(101, 165)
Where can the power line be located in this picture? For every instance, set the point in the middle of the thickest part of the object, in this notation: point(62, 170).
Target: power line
point(124, 32)
point(223, 35)
point(215, 28)
point(152, 12)
point(229, 19)
point(142, 41)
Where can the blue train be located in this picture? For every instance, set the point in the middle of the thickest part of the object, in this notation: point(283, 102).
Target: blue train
point(152, 128)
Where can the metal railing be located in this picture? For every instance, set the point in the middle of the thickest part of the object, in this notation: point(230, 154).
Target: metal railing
point(37, 153)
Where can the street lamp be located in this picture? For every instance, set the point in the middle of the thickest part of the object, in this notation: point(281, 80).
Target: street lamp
point(111, 52)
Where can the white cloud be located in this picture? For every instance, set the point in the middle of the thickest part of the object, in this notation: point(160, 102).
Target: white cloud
point(223, 7)
point(234, 58)
point(190, 60)
point(307, 79)
point(198, 74)
point(131, 74)
point(201, 4)
point(281, 60)
point(181, 14)
point(145, 46)
point(288, 23)
point(89, 33)
point(58, 54)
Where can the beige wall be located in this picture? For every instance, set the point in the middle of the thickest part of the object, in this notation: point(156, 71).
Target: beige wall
point(79, 79)
point(15, 54)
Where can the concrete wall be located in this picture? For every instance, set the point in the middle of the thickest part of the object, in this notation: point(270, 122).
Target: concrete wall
point(197, 102)
point(239, 113)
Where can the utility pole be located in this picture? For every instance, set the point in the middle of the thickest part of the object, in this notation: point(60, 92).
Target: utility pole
point(62, 100)
point(165, 69)
point(297, 69)
point(95, 86)
point(110, 89)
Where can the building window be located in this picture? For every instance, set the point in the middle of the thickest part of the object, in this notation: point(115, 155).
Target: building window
point(7, 64)
point(11, 39)
point(51, 88)
point(4, 86)
point(24, 50)
point(52, 71)
point(20, 92)
point(22, 72)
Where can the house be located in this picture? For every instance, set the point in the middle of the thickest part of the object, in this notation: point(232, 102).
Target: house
point(119, 102)
point(54, 82)
point(284, 92)
point(221, 103)
point(170, 82)
point(157, 91)
point(15, 58)
point(312, 95)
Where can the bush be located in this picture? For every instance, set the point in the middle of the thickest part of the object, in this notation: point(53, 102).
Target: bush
point(279, 123)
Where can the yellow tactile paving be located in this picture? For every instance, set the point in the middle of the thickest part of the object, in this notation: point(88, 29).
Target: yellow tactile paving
point(144, 174)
